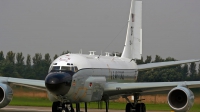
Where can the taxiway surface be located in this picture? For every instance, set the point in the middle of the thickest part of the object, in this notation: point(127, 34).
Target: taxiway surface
point(48, 109)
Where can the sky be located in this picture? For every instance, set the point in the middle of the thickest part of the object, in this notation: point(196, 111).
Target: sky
point(170, 27)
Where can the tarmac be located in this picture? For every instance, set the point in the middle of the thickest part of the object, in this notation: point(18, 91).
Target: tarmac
point(48, 109)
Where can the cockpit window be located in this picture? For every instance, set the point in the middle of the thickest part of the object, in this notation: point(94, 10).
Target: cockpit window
point(69, 68)
point(75, 69)
point(66, 68)
point(72, 69)
point(56, 68)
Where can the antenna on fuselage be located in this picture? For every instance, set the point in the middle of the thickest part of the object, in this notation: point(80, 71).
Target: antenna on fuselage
point(100, 54)
point(80, 52)
point(92, 52)
point(107, 53)
point(115, 54)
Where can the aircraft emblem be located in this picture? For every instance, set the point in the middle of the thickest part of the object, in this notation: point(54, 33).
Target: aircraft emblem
point(74, 83)
point(90, 85)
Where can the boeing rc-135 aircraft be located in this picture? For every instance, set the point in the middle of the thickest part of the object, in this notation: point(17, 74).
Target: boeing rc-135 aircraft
point(75, 78)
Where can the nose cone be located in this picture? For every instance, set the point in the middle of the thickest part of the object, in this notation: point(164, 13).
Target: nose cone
point(58, 83)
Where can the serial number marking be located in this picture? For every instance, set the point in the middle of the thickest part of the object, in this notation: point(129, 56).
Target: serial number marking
point(117, 75)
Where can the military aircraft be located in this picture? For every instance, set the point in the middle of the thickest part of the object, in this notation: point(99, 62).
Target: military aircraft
point(76, 78)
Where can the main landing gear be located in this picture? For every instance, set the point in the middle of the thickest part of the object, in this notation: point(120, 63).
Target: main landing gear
point(62, 107)
point(66, 107)
point(130, 107)
point(135, 107)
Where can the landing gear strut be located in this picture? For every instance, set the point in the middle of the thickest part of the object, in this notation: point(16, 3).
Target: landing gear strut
point(85, 107)
point(135, 107)
point(107, 105)
point(62, 107)
point(77, 107)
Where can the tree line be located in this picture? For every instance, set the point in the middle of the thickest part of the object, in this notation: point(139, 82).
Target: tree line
point(183, 72)
point(15, 65)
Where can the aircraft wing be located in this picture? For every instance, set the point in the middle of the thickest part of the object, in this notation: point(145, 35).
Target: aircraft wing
point(147, 88)
point(37, 84)
point(164, 64)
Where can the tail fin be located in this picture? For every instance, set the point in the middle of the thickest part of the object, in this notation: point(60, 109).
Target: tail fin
point(133, 43)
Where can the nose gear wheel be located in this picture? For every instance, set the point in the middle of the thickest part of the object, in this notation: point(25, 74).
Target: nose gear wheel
point(62, 107)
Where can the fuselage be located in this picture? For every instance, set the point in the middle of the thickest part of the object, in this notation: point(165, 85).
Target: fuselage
point(79, 69)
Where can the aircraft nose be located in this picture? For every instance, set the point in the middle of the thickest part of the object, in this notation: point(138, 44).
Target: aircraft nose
point(58, 83)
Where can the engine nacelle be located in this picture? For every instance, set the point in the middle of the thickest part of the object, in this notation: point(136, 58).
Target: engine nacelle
point(180, 99)
point(6, 95)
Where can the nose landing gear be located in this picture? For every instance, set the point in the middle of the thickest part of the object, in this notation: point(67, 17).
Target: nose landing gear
point(62, 107)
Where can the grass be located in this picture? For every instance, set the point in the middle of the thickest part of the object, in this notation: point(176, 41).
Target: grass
point(30, 101)
point(44, 102)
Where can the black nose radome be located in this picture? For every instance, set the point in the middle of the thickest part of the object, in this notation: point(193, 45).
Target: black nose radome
point(58, 83)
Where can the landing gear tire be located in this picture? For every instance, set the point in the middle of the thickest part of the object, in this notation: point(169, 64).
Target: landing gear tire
point(140, 107)
point(72, 110)
point(143, 107)
point(129, 107)
point(64, 110)
point(55, 107)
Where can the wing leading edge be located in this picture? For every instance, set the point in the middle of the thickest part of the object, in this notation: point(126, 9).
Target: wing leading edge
point(146, 87)
point(37, 84)
point(164, 64)
point(150, 87)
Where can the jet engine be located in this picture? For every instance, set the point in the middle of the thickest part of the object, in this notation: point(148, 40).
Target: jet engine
point(180, 99)
point(6, 95)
